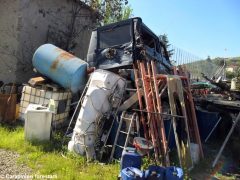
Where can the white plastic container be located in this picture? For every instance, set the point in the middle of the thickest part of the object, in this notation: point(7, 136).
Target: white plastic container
point(233, 84)
point(95, 104)
point(37, 123)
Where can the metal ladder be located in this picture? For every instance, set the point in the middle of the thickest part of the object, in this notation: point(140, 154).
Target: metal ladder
point(128, 132)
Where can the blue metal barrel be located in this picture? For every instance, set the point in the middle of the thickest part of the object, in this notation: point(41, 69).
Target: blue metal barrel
point(61, 67)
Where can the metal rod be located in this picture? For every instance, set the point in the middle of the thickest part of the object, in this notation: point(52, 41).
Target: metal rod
point(194, 118)
point(137, 82)
point(149, 108)
point(76, 109)
point(156, 117)
point(213, 129)
point(163, 76)
point(225, 141)
point(129, 129)
point(163, 114)
point(163, 90)
point(131, 90)
point(116, 137)
point(161, 123)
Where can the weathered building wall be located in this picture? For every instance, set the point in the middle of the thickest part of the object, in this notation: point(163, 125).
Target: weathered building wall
point(42, 21)
point(8, 39)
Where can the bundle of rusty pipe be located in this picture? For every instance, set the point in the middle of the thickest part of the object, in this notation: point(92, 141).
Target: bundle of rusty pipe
point(154, 126)
point(153, 86)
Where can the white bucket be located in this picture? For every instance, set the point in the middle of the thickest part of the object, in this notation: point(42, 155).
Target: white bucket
point(95, 104)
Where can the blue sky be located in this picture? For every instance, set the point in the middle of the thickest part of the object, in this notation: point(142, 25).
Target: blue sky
point(201, 27)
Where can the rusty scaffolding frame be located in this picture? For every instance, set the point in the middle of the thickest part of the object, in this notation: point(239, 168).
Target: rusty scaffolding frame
point(153, 86)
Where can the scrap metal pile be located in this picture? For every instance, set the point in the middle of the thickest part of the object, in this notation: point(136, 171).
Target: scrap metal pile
point(136, 95)
point(131, 96)
point(221, 97)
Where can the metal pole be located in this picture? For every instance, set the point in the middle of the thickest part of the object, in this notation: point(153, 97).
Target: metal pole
point(162, 114)
point(213, 129)
point(226, 140)
point(161, 123)
point(138, 82)
point(146, 87)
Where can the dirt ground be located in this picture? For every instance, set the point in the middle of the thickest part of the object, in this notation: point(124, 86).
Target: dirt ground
point(226, 169)
point(10, 168)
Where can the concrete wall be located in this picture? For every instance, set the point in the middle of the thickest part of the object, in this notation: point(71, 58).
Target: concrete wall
point(8, 39)
point(33, 21)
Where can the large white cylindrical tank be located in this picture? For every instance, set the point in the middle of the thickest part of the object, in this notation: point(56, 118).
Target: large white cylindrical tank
point(95, 103)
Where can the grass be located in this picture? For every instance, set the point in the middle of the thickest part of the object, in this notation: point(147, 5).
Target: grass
point(46, 158)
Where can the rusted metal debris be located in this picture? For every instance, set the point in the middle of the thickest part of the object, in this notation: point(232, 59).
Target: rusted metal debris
point(8, 101)
point(154, 86)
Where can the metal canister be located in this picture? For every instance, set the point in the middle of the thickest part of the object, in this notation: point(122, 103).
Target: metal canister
point(61, 67)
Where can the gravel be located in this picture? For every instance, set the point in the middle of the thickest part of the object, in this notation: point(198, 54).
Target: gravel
point(10, 168)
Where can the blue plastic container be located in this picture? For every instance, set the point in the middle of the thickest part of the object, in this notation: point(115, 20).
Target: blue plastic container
point(155, 173)
point(131, 173)
point(61, 67)
point(206, 121)
point(173, 173)
point(130, 158)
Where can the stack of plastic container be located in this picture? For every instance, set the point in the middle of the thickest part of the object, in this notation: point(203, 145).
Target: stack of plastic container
point(131, 168)
point(131, 164)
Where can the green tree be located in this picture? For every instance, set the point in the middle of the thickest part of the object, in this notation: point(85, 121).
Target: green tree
point(127, 12)
point(164, 39)
point(209, 59)
point(219, 62)
point(230, 75)
point(111, 10)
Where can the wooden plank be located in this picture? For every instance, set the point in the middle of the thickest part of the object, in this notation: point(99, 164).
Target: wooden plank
point(37, 80)
point(130, 101)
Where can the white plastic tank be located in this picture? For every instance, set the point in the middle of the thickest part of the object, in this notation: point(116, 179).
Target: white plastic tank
point(95, 103)
point(35, 95)
point(37, 122)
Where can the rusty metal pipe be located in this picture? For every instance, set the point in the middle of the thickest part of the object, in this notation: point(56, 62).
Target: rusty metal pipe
point(162, 128)
point(147, 100)
point(135, 68)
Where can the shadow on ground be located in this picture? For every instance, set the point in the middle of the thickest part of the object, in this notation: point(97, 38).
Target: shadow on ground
point(226, 168)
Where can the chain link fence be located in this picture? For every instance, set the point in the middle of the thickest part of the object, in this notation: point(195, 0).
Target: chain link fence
point(194, 64)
